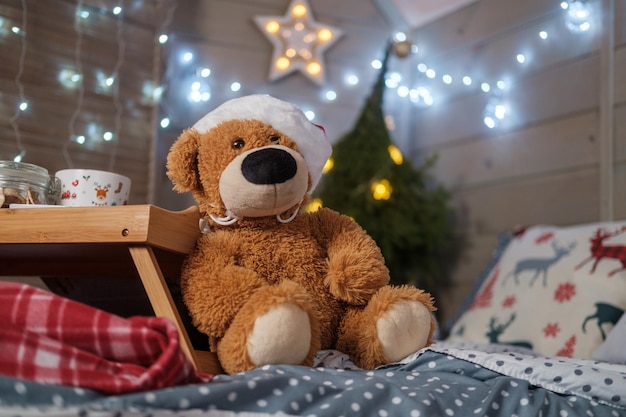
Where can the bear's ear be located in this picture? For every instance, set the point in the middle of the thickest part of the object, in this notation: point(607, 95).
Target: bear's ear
point(182, 161)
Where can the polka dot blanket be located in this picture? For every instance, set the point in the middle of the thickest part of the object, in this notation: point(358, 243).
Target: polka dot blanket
point(446, 379)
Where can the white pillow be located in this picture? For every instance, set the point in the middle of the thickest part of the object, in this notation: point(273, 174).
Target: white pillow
point(556, 290)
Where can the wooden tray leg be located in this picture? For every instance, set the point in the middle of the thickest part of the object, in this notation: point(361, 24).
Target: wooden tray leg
point(164, 306)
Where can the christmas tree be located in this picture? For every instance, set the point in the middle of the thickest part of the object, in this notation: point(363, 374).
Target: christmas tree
point(398, 204)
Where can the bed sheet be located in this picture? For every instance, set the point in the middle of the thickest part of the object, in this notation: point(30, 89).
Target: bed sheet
point(443, 380)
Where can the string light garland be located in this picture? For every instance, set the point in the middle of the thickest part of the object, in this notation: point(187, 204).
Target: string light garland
point(72, 77)
point(73, 137)
point(578, 20)
point(119, 109)
point(299, 42)
point(22, 104)
point(107, 83)
point(155, 92)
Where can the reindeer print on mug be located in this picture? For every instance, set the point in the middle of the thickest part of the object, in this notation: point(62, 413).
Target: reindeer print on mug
point(101, 194)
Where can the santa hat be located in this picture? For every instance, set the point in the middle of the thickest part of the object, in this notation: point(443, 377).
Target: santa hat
point(282, 116)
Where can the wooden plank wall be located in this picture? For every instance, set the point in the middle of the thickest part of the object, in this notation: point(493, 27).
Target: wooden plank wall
point(543, 165)
point(52, 43)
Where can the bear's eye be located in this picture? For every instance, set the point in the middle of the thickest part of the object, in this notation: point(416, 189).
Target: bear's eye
point(274, 138)
point(238, 143)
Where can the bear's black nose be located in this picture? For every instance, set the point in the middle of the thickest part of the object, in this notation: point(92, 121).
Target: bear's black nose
point(269, 166)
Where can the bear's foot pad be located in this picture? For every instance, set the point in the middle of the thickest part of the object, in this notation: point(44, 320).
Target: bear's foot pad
point(403, 329)
point(282, 335)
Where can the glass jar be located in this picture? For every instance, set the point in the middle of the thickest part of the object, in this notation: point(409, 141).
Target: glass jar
point(22, 183)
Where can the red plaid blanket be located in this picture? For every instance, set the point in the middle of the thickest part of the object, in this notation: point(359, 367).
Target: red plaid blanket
point(53, 340)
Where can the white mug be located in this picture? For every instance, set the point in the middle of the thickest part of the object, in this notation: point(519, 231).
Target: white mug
point(92, 187)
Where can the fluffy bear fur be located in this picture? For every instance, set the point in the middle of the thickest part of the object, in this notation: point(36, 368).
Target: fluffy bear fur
point(269, 291)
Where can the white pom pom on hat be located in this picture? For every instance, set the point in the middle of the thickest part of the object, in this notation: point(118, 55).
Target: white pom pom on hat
point(282, 116)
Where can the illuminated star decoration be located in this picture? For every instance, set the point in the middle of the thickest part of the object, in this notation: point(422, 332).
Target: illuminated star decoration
point(299, 42)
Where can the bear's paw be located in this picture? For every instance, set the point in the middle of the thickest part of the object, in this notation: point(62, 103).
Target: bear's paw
point(403, 329)
point(282, 335)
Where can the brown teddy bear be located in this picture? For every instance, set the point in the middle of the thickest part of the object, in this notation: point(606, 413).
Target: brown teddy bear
point(267, 282)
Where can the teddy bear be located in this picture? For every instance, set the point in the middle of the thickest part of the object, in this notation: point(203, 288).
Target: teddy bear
point(269, 282)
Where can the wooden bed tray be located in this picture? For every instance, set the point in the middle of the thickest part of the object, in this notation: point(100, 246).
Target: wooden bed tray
point(74, 244)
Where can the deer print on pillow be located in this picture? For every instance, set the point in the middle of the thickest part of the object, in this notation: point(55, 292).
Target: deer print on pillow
point(539, 265)
point(601, 251)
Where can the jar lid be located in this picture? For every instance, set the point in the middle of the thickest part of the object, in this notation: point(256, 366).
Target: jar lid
point(24, 172)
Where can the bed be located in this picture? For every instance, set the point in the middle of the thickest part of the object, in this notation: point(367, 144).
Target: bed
point(542, 334)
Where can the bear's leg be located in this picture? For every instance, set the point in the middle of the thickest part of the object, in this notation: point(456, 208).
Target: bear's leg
point(396, 322)
point(277, 325)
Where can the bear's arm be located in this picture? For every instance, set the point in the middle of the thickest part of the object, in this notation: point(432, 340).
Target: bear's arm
point(214, 287)
point(356, 267)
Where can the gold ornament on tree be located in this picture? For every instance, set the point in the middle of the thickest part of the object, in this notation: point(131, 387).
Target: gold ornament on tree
point(402, 49)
